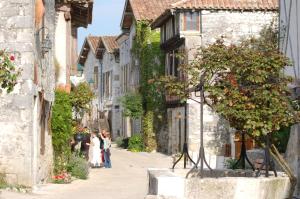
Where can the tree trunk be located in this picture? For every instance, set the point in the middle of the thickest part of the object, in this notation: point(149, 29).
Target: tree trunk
point(281, 161)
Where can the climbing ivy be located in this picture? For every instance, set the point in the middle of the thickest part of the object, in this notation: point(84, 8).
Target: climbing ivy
point(61, 130)
point(132, 104)
point(146, 49)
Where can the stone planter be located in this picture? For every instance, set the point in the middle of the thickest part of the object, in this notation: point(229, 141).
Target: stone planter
point(225, 184)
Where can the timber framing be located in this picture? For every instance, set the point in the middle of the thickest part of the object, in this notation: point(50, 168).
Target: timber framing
point(80, 10)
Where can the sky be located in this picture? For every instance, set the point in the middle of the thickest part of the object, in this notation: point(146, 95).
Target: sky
point(106, 20)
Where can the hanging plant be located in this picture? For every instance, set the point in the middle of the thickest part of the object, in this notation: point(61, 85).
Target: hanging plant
point(8, 71)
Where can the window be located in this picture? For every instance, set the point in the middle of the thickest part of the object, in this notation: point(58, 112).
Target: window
point(172, 64)
point(191, 21)
point(169, 29)
point(107, 84)
point(96, 77)
point(125, 78)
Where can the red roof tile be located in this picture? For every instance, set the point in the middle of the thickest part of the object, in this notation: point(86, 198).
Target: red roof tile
point(227, 4)
point(93, 40)
point(149, 9)
point(110, 43)
point(216, 5)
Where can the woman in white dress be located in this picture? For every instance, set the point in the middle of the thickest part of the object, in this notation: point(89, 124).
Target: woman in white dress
point(95, 142)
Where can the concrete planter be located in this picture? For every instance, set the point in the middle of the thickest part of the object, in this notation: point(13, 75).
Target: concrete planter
point(225, 184)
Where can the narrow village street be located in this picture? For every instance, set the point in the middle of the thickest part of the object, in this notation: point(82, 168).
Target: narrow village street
point(126, 180)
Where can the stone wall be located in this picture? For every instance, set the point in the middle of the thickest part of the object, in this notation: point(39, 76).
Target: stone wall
point(112, 104)
point(20, 135)
point(129, 126)
point(293, 154)
point(232, 26)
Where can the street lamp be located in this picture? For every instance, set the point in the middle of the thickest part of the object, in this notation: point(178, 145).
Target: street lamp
point(45, 43)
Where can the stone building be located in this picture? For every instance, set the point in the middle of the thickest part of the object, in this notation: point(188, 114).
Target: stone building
point(134, 11)
point(70, 15)
point(27, 32)
point(289, 45)
point(108, 54)
point(185, 26)
point(91, 70)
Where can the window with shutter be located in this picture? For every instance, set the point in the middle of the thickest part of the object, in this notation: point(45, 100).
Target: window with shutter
point(191, 21)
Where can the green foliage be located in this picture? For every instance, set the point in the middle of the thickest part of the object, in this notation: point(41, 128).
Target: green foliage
point(136, 143)
point(229, 163)
point(245, 83)
point(61, 129)
point(281, 139)
point(8, 72)
point(78, 167)
point(149, 135)
point(119, 142)
point(132, 104)
point(3, 183)
point(147, 50)
point(122, 142)
point(81, 97)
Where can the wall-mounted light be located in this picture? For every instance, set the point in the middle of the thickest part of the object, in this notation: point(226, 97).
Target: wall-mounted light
point(45, 43)
point(79, 69)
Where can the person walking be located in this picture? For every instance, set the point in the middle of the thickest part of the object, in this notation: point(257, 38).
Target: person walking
point(95, 142)
point(107, 144)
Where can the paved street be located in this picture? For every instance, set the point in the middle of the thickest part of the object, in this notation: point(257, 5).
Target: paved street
point(126, 180)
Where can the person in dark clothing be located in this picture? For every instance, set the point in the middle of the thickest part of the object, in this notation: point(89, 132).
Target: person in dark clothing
point(85, 144)
point(101, 147)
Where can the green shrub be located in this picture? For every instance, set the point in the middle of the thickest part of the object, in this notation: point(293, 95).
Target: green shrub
point(133, 105)
point(119, 142)
point(135, 143)
point(122, 142)
point(78, 167)
point(61, 126)
point(229, 163)
point(281, 139)
point(3, 183)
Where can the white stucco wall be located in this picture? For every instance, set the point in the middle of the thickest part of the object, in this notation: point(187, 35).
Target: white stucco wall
point(88, 74)
point(61, 46)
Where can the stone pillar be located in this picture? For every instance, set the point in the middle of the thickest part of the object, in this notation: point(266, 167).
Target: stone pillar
point(293, 154)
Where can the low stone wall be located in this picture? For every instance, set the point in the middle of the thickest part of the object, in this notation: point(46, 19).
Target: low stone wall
point(225, 184)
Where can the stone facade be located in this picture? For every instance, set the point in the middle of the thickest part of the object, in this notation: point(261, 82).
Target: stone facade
point(111, 104)
point(289, 45)
point(232, 26)
point(293, 154)
point(91, 72)
point(25, 138)
point(228, 184)
point(129, 78)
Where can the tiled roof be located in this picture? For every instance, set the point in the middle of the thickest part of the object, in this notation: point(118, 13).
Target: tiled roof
point(93, 40)
point(215, 5)
point(110, 43)
point(149, 9)
point(227, 4)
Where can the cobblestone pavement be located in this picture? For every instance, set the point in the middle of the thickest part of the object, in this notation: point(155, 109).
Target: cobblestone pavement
point(126, 180)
